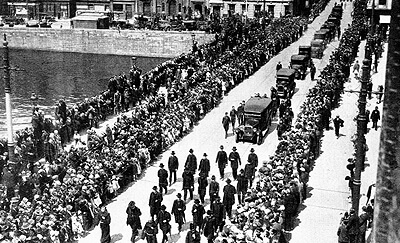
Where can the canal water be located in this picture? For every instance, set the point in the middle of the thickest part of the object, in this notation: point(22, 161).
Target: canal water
point(56, 75)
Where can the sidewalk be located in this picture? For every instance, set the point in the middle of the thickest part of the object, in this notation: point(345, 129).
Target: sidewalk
point(328, 189)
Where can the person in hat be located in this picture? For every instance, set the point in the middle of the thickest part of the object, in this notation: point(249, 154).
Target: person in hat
point(242, 186)
point(233, 114)
point(105, 221)
point(209, 226)
point(278, 66)
point(162, 178)
point(364, 218)
point(249, 173)
point(133, 219)
point(193, 236)
point(202, 189)
point(173, 165)
point(253, 158)
point(234, 158)
point(353, 226)
point(191, 162)
point(150, 231)
point(375, 116)
point(226, 120)
point(338, 123)
point(229, 197)
point(213, 190)
point(342, 233)
point(198, 212)
point(222, 161)
point(204, 167)
point(188, 183)
point(219, 213)
point(240, 113)
point(155, 202)
point(178, 210)
point(163, 219)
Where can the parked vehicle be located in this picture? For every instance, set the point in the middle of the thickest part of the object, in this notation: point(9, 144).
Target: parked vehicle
point(176, 25)
point(163, 25)
point(299, 63)
point(285, 84)
point(317, 48)
point(306, 51)
point(189, 25)
point(258, 114)
point(32, 23)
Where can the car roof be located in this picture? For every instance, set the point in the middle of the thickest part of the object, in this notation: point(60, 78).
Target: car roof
point(285, 72)
point(298, 57)
point(257, 104)
point(304, 47)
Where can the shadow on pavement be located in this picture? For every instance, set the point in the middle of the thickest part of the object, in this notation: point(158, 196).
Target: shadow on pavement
point(116, 237)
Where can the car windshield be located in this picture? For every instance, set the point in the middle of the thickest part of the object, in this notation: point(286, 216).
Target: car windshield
point(251, 121)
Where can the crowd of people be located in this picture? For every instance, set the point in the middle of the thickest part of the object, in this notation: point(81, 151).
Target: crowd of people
point(58, 197)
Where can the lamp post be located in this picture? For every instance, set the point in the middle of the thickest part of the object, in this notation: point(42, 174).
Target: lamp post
point(7, 91)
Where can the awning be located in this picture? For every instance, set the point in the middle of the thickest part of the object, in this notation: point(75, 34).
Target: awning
point(216, 2)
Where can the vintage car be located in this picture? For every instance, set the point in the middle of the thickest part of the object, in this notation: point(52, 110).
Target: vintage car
point(285, 84)
point(306, 51)
point(317, 48)
point(300, 64)
point(334, 20)
point(322, 35)
point(189, 25)
point(337, 11)
point(258, 112)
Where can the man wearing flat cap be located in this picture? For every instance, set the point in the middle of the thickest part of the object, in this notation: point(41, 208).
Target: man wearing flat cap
point(222, 160)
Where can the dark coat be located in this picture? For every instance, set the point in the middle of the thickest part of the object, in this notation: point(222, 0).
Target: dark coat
point(234, 158)
point(248, 171)
point(353, 225)
point(203, 183)
point(253, 158)
point(173, 163)
point(163, 177)
point(343, 235)
point(193, 236)
point(133, 219)
point(222, 159)
point(150, 228)
point(198, 214)
point(204, 166)
point(191, 163)
point(214, 188)
point(225, 122)
point(105, 220)
point(375, 115)
point(188, 180)
point(229, 195)
point(218, 210)
point(337, 122)
point(155, 199)
point(163, 219)
point(209, 225)
point(242, 183)
point(178, 210)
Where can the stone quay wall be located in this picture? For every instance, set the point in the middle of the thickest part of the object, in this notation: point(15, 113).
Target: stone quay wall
point(145, 43)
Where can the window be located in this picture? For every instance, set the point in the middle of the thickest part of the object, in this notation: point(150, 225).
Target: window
point(287, 10)
point(232, 8)
point(118, 7)
point(163, 7)
point(382, 2)
point(244, 8)
point(271, 9)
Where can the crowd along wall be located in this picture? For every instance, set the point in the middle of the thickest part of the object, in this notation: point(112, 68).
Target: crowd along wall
point(127, 42)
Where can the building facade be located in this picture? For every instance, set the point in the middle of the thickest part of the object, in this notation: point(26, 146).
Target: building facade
point(126, 9)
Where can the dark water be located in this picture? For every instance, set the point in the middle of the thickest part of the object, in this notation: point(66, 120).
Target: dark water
point(55, 75)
